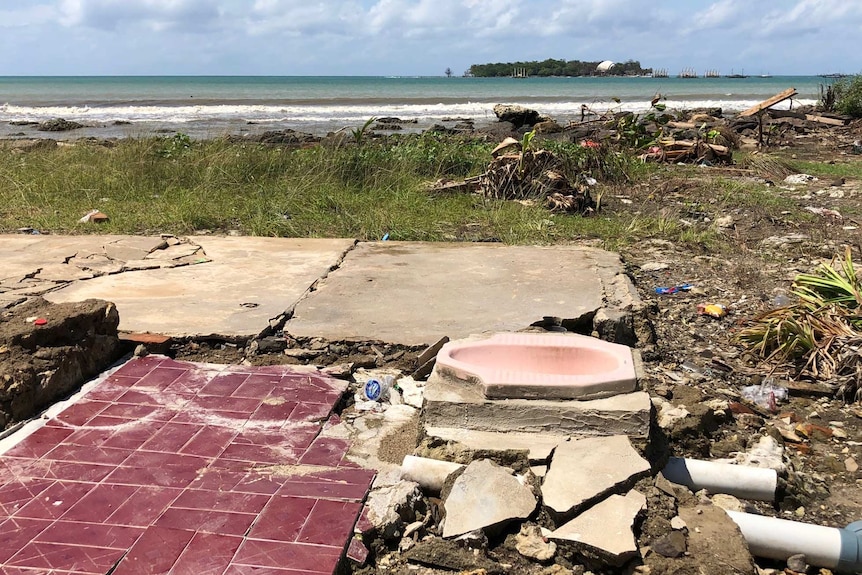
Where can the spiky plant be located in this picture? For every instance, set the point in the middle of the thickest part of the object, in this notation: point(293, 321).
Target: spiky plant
point(821, 333)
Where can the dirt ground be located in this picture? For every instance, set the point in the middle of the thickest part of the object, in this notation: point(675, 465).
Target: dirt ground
point(752, 247)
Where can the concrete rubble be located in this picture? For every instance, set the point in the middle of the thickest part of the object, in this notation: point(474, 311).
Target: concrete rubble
point(606, 529)
point(585, 470)
point(486, 496)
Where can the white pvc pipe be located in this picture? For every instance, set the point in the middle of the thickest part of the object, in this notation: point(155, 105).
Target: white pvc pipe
point(738, 480)
point(430, 474)
point(822, 546)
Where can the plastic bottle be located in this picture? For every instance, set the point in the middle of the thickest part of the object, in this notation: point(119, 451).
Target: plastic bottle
point(378, 389)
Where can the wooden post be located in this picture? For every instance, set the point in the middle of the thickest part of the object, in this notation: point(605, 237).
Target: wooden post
point(760, 130)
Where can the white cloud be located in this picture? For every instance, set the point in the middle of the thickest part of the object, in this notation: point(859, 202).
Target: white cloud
point(421, 36)
point(37, 15)
point(154, 14)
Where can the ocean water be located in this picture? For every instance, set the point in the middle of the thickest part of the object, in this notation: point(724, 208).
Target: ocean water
point(211, 106)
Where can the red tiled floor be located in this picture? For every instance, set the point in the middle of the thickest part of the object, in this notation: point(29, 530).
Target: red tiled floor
point(155, 552)
point(56, 500)
point(207, 521)
point(170, 467)
point(207, 554)
point(298, 556)
point(90, 535)
point(221, 501)
point(66, 557)
point(283, 519)
point(330, 523)
point(100, 503)
point(16, 533)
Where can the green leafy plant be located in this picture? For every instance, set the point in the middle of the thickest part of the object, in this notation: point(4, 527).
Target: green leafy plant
point(821, 330)
point(359, 133)
point(175, 146)
point(848, 96)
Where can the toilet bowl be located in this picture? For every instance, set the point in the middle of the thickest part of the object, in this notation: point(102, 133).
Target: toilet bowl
point(539, 366)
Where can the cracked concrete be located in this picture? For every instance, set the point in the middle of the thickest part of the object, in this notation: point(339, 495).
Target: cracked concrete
point(414, 293)
point(398, 292)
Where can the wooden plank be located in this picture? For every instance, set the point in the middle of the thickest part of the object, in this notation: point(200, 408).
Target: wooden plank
point(785, 95)
point(825, 120)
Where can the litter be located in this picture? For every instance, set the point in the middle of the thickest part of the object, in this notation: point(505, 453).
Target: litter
point(766, 395)
point(94, 216)
point(715, 310)
point(674, 289)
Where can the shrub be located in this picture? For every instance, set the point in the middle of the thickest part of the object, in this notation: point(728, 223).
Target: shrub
point(848, 96)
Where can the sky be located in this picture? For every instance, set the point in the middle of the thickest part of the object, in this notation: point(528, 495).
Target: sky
point(422, 37)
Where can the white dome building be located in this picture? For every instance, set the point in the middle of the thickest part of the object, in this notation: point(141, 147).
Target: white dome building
point(605, 67)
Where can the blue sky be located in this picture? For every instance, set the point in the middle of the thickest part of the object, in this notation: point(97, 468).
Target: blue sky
point(422, 37)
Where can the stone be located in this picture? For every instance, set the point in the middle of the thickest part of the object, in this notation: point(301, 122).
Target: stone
point(797, 563)
point(654, 266)
point(449, 405)
point(585, 470)
point(531, 543)
point(606, 529)
point(58, 125)
point(517, 115)
point(727, 502)
point(269, 344)
point(851, 465)
point(678, 524)
point(671, 545)
point(485, 496)
point(390, 509)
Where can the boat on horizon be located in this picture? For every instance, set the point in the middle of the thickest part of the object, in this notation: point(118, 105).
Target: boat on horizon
point(735, 76)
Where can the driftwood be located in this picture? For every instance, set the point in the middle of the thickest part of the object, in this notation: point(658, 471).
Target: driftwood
point(825, 120)
point(785, 95)
point(687, 151)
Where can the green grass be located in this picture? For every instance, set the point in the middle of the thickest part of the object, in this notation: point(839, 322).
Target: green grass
point(171, 185)
point(850, 169)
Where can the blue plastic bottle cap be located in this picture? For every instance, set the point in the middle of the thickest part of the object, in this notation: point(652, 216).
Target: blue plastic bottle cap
point(373, 390)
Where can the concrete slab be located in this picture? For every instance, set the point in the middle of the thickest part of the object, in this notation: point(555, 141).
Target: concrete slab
point(606, 529)
point(249, 282)
point(415, 293)
point(458, 406)
point(586, 470)
point(486, 496)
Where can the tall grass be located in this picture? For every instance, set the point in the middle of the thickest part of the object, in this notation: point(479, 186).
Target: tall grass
point(171, 185)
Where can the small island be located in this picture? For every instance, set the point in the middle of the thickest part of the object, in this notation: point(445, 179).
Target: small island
point(551, 67)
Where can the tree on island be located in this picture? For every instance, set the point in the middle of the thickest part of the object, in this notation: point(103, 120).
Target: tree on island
point(551, 67)
point(448, 72)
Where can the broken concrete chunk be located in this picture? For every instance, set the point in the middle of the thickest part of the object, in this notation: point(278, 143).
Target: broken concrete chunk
point(133, 248)
point(390, 508)
point(448, 555)
point(175, 252)
point(606, 529)
point(99, 264)
point(62, 273)
point(430, 474)
point(584, 470)
point(538, 447)
point(531, 543)
point(486, 496)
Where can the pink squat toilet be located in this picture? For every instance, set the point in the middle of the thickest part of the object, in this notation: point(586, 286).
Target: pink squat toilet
point(539, 366)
